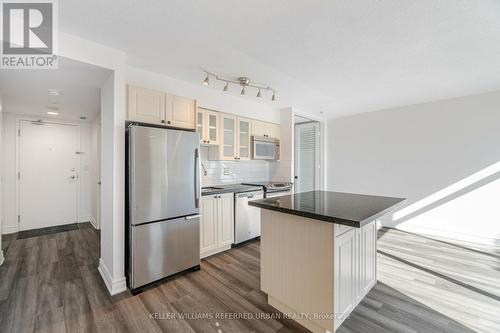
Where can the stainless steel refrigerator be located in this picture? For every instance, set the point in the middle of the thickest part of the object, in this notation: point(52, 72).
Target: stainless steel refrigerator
point(163, 190)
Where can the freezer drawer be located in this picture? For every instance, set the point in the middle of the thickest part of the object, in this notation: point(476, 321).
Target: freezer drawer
point(160, 249)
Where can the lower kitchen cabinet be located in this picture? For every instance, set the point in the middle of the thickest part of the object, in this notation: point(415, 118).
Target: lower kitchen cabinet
point(355, 262)
point(217, 223)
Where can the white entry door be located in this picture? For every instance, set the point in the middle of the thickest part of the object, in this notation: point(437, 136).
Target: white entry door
point(48, 174)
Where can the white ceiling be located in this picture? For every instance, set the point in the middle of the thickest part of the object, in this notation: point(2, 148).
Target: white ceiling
point(26, 91)
point(340, 57)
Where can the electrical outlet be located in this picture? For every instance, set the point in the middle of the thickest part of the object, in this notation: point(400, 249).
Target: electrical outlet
point(227, 172)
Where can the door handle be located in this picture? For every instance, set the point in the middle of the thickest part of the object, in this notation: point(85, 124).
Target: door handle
point(73, 177)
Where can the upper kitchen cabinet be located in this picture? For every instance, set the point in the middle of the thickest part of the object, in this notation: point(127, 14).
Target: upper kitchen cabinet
point(146, 105)
point(228, 149)
point(263, 128)
point(180, 111)
point(234, 139)
point(207, 124)
point(244, 126)
point(160, 108)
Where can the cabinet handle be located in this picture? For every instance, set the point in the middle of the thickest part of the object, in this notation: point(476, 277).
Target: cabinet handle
point(168, 122)
point(208, 141)
point(163, 121)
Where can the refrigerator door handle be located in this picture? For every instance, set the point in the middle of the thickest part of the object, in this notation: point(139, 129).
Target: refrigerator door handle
point(197, 186)
point(190, 217)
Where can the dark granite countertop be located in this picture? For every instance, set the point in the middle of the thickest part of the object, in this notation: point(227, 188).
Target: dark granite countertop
point(350, 209)
point(229, 188)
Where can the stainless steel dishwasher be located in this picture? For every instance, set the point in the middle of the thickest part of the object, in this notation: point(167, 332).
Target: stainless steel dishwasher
point(246, 218)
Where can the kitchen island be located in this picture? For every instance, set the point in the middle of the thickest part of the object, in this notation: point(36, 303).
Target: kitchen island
point(319, 253)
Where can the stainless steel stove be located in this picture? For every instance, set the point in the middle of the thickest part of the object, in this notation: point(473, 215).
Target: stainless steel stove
point(274, 189)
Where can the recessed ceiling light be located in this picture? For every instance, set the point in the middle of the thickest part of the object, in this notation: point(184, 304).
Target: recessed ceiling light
point(53, 113)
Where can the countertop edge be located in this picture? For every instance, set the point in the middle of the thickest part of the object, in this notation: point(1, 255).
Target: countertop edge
point(313, 216)
point(329, 219)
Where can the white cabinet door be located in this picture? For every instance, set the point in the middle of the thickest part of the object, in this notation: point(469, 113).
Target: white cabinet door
point(226, 219)
point(208, 225)
point(344, 270)
point(244, 126)
point(212, 127)
point(200, 125)
point(229, 139)
point(263, 128)
point(146, 105)
point(368, 256)
point(258, 128)
point(274, 131)
point(180, 112)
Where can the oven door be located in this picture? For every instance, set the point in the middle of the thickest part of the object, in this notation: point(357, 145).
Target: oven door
point(265, 149)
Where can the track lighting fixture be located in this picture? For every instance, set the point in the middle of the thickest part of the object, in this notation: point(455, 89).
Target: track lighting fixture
point(243, 81)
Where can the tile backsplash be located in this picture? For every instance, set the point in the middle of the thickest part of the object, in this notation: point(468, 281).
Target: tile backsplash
point(232, 172)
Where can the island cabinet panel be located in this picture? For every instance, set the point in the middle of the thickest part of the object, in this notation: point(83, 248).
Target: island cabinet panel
point(217, 224)
point(355, 267)
point(368, 257)
point(345, 273)
point(297, 267)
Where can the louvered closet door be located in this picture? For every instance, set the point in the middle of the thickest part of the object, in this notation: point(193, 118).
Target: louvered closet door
point(306, 157)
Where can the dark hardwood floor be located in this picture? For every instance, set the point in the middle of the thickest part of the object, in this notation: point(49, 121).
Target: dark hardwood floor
point(51, 284)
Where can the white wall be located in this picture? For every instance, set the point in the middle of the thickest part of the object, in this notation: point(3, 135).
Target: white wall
point(425, 152)
point(111, 263)
point(9, 214)
point(206, 97)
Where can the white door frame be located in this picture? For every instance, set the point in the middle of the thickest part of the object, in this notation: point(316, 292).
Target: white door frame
point(317, 153)
point(322, 138)
point(18, 164)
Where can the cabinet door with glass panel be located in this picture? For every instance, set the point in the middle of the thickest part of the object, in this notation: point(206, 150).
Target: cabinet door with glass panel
point(228, 148)
point(207, 124)
point(243, 138)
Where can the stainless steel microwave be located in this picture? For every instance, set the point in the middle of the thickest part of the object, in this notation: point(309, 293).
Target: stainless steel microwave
point(264, 148)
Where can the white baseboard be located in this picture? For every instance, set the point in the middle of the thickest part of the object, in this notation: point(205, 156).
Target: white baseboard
point(93, 222)
point(82, 219)
point(9, 229)
point(114, 286)
point(1, 257)
point(450, 235)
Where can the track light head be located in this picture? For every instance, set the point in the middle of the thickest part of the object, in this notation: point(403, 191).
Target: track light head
point(274, 97)
point(226, 87)
point(207, 80)
point(259, 94)
point(243, 92)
